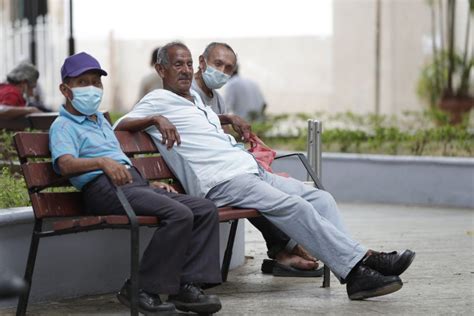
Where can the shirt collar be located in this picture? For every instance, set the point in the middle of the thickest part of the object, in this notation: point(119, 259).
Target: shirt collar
point(78, 118)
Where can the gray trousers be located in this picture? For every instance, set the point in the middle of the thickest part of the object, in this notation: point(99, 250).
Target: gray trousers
point(183, 249)
point(308, 215)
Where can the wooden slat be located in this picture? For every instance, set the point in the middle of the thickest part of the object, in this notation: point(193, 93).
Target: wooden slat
point(152, 168)
point(57, 204)
point(41, 174)
point(230, 213)
point(86, 221)
point(136, 143)
point(18, 124)
point(32, 145)
point(42, 121)
point(36, 145)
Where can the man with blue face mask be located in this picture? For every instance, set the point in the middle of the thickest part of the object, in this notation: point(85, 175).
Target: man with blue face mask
point(216, 64)
point(184, 250)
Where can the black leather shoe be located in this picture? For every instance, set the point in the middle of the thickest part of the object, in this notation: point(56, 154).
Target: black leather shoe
point(147, 302)
point(12, 286)
point(392, 263)
point(191, 298)
point(364, 282)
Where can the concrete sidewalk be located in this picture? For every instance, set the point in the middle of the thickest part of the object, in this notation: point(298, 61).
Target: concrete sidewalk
point(439, 282)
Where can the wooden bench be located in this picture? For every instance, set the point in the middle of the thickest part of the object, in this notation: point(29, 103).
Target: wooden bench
point(61, 212)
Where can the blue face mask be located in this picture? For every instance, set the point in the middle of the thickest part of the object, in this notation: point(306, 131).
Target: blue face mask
point(86, 99)
point(213, 78)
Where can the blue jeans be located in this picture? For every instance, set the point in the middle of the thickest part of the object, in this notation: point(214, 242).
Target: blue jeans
point(307, 215)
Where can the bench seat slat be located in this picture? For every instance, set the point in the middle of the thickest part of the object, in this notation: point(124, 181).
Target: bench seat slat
point(230, 213)
point(87, 221)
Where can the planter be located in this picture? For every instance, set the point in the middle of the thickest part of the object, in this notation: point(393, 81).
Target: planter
point(457, 107)
point(408, 180)
point(78, 264)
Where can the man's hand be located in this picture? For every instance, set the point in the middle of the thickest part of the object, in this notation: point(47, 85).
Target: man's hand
point(241, 126)
point(169, 133)
point(117, 172)
point(164, 186)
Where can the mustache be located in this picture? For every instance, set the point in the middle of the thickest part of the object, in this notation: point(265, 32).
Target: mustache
point(184, 77)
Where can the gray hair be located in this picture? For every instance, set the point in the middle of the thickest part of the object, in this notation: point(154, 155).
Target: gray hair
point(212, 45)
point(162, 57)
point(24, 71)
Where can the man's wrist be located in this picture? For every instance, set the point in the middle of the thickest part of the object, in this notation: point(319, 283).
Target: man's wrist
point(156, 120)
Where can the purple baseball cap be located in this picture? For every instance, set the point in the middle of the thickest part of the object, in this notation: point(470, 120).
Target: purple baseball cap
point(79, 63)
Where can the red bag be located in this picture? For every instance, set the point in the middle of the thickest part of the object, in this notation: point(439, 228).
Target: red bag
point(262, 153)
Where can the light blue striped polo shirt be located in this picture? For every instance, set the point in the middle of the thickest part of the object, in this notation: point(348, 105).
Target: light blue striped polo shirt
point(81, 137)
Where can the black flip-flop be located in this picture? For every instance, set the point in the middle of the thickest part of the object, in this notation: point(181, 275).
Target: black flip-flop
point(281, 270)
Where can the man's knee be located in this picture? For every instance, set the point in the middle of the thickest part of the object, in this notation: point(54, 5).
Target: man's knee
point(182, 215)
point(326, 200)
point(209, 209)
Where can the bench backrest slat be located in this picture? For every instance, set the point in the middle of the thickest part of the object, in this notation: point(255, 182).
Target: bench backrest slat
point(136, 143)
point(39, 174)
point(57, 204)
point(153, 168)
point(32, 145)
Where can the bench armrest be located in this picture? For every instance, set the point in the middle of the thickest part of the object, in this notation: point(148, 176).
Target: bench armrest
point(132, 217)
point(308, 168)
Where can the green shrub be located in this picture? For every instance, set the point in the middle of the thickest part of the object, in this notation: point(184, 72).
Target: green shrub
point(7, 151)
point(414, 133)
point(13, 191)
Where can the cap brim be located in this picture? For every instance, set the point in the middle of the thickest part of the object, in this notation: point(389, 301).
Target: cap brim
point(83, 70)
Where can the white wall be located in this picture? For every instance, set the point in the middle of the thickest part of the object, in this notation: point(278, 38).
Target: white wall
point(294, 73)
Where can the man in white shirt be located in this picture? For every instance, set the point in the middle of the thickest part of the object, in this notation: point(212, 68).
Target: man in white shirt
point(210, 164)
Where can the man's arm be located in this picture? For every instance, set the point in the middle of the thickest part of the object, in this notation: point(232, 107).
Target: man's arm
point(117, 172)
point(241, 126)
point(169, 133)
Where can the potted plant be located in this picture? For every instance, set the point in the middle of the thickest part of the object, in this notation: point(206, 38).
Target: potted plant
point(446, 80)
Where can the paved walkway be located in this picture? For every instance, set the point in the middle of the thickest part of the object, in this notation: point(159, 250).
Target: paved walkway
point(439, 282)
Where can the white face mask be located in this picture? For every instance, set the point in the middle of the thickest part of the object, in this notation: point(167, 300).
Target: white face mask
point(86, 100)
point(213, 78)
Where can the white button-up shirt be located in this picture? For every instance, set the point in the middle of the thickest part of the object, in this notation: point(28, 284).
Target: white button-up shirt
point(207, 156)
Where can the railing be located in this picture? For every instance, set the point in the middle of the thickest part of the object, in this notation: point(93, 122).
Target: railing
point(314, 146)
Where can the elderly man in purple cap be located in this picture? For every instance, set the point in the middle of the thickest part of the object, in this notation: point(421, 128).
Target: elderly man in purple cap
point(184, 251)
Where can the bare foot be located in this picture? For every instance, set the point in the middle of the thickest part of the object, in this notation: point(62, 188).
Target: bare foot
point(296, 261)
point(300, 251)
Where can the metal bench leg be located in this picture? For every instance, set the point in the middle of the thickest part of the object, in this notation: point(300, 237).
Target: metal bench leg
point(134, 256)
point(134, 249)
point(326, 277)
point(30, 266)
point(228, 250)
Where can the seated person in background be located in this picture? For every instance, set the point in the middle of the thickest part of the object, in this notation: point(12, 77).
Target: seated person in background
point(184, 251)
point(210, 164)
point(216, 64)
point(15, 92)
